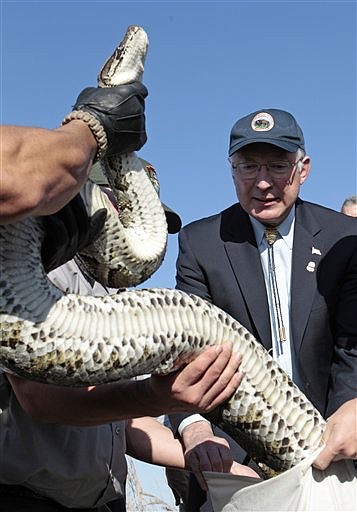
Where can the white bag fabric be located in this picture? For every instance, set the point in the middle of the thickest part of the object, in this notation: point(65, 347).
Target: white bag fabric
point(302, 488)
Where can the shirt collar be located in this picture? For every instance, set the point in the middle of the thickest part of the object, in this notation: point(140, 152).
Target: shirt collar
point(286, 229)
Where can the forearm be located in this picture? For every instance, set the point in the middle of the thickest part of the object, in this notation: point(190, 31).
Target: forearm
point(88, 406)
point(200, 386)
point(180, 421)
point(41, 170)
point(150, 441)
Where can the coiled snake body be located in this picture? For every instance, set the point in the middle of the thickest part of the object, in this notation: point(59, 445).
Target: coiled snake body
point(73, 340)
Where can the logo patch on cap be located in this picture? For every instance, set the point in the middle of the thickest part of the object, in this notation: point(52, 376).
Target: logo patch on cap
point(262, 122)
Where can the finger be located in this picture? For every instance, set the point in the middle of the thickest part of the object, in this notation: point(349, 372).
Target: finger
point(218, 376)
point(212, 403)
point(213, 359)
point(219, 454)
point(197, 459)
point(193, 464)
point(323, 459)
point(209, 458)
point(222, 372)
point(226, 364)
point(226, 458)
point(211, 454)
point(216, 462)
point(223, 387)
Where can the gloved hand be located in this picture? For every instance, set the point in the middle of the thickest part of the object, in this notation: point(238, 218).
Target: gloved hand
point(68, 231)
point(120, 110)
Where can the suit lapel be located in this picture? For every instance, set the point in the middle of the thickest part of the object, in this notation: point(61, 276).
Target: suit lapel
point(307, 254)
point(244, 259)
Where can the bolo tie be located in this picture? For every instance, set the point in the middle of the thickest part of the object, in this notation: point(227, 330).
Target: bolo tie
point(271, 235)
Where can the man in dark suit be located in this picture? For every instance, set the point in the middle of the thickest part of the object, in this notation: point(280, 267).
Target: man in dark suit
point(304, 309)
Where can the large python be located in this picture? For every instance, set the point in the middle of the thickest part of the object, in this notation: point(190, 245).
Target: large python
point(72, 340)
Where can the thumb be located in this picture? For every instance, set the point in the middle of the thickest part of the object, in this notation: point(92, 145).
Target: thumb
point(324, 458)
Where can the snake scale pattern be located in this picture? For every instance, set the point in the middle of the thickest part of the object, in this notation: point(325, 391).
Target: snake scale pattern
point(73, 340)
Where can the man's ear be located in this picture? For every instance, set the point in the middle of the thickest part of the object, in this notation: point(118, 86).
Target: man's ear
point(305, 169)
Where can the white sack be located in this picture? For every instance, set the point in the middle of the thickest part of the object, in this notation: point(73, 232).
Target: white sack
point(302, 488)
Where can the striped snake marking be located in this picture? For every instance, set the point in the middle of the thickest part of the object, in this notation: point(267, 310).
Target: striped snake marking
point(73, 340)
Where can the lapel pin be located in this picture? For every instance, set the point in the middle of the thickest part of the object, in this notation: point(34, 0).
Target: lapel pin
point(310, 267)
point(314, 250)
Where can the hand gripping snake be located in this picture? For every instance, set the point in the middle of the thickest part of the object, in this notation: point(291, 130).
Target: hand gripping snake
point(74, 340)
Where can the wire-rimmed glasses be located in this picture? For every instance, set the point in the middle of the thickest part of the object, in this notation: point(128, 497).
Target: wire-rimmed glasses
point(279, 169)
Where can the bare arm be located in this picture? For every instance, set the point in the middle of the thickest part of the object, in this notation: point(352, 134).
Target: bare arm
point(41, 170)
point(150, 441)
point(209, 380)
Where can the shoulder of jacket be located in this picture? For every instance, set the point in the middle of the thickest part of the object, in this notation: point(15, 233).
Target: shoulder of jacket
point(328, 218)
point(211, 219)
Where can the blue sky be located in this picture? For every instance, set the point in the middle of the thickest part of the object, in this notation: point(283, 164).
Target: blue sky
point(209, 63)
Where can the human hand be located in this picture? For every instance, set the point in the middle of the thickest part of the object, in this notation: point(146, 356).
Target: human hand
point(340, 436)
point(120, 111)
point(203, 451)
point(68, 231)
point(201, 386)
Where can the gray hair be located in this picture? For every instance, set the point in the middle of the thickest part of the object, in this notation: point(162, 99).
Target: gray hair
point(300, 153)
point(349, 201)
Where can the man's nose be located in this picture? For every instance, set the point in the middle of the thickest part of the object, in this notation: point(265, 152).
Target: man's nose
point(263, 179)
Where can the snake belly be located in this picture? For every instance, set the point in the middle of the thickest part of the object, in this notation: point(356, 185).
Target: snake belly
point(73, 340)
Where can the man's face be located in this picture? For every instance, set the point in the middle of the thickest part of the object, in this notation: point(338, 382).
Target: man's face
point(268, 197)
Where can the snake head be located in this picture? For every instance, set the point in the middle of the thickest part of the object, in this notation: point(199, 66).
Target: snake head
point(126, 64)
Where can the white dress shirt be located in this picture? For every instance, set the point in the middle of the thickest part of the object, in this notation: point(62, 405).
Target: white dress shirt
point(283, 351)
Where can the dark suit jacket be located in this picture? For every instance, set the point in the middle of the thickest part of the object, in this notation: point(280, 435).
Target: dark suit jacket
point(219, 261)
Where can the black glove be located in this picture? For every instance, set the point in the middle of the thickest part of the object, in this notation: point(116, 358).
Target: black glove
point(68, 231)
point(120, 110)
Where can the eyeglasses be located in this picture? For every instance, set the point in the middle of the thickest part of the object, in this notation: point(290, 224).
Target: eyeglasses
point(250, 170)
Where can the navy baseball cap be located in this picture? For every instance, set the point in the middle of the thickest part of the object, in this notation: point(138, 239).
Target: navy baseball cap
point(172, 218)
point(272, 126)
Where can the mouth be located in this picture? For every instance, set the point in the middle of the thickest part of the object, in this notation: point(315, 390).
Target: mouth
point(266, 201)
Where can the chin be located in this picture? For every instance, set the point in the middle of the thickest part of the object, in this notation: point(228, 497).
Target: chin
point(266, 216)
